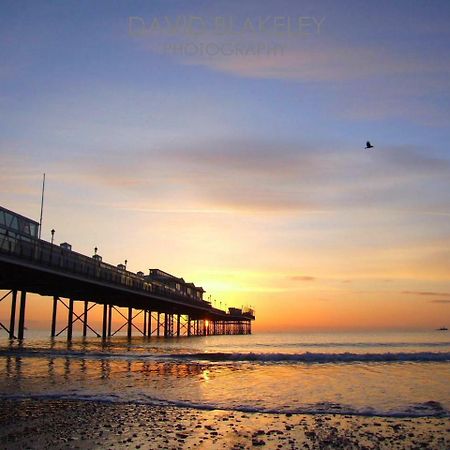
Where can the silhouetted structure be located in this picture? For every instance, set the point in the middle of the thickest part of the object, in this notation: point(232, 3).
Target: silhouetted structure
point(170, 305)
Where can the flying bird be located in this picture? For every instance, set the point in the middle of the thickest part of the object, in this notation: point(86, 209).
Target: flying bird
point(368, 145)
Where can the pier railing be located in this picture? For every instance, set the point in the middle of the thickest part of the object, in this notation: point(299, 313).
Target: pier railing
point(46, 255)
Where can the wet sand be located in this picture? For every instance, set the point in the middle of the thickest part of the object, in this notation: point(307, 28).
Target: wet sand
point(74, 424)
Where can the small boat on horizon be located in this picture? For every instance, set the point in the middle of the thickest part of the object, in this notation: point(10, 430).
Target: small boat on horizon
point(442, 329)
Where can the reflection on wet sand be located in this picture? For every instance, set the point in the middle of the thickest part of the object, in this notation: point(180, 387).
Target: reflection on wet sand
point(87, 368)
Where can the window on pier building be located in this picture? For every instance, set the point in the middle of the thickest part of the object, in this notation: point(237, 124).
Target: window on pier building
point(25, 228)
point(9, 221)
point(33, 230)
point(18, 223)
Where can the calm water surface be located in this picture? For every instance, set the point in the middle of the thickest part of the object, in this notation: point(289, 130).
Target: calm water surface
point(397, 374)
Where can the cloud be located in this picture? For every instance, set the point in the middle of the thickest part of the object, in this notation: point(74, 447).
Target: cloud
point(252, 175)
point(440, 301)
point(302, 278)
point(274, 176)
point(285, 57)
point(426, 293)
point(363, 81)
point(327, 62)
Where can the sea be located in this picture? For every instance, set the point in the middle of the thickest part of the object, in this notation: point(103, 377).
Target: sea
point(396, 374)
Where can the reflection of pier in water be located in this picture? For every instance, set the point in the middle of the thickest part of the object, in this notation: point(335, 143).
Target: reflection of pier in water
point(168, 305)
point(23, 370)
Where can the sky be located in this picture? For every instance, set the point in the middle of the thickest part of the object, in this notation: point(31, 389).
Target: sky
point(224, 142)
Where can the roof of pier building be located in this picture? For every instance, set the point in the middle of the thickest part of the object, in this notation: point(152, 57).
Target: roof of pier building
point(167, 278)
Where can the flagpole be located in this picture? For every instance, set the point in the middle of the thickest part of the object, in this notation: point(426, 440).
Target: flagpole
point(42, 206)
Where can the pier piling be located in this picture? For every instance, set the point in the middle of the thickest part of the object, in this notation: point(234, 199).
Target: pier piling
point(23, 300)
point(70, 320)
point(110, 312)
point(105, 321)
point(85, 317)
point(54, 312)
point(130, 322)
point(12, 320)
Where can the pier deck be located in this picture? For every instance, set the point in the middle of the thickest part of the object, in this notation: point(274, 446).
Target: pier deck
point(29, 264)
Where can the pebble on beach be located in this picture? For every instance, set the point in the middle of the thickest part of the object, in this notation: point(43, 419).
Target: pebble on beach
point(73, 424)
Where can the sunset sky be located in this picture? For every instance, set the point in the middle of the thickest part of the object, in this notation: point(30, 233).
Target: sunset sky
point(225, 143)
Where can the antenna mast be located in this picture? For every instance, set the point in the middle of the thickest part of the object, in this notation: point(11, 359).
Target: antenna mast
point(42, 206)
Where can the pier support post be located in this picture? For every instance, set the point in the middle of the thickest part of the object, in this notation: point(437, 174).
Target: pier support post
point(105, 321)
point(188, 325)
point(70, 320)
point(85, 316)
point(178, 324)
point(110, 311)
point(130, 320)
point(158, 324)
point(23, 300)
point(145, 323)
point(12, 319)
point(149, 324)
point(165, 324)
point(55, 308)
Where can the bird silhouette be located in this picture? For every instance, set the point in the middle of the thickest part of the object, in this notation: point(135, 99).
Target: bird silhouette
point(368, 145)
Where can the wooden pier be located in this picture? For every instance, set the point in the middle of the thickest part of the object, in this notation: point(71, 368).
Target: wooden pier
point(167, 305)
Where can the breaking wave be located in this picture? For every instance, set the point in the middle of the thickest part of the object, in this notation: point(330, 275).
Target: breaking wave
point(306, 357)
point(318, 357)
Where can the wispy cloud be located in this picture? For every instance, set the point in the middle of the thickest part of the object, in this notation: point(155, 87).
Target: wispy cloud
point(302, 278)
point(325, 62)
point(427, 293)
point(263, 176)
point(440, 301)
point(373, 81)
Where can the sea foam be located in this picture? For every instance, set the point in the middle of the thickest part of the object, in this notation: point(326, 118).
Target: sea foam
point(424, 409)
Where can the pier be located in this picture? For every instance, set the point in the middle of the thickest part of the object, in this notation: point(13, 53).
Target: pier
point(167, 305)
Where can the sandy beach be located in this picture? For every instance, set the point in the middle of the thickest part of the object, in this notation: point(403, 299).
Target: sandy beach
point(44, 424)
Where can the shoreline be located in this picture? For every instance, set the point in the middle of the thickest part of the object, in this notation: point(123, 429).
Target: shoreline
point(41, 424)
point(438, 413)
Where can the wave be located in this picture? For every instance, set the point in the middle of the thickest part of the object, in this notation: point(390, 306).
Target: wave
point(317, 357)
point(307, 357)
point(424, 409)
point(353, 344)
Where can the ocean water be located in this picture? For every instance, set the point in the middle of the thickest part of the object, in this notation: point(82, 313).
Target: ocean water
point(385, 374)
